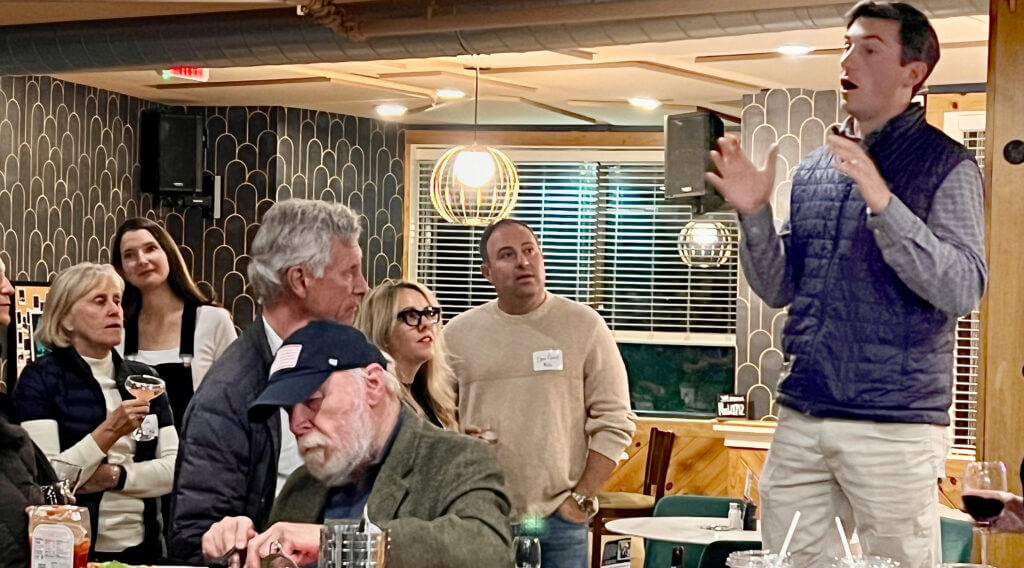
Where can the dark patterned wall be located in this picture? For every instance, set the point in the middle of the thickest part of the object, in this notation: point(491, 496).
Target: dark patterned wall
point(69, 174)
point(797, 119)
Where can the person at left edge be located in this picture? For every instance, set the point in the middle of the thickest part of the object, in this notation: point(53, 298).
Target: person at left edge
point(306, 265)
point(22, 467)
point(74, 405)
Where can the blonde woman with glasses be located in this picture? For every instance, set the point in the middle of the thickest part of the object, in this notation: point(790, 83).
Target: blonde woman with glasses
point(403, 318)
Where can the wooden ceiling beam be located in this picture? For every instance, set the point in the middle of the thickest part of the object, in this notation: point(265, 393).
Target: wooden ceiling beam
point(648, 65)
point(244, 83)
point(561, 111)
point(360, 80)
point(824, 51)
point(467, 76)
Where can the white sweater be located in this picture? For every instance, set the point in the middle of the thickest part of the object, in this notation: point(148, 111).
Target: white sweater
point(546, 418)
point(120, 525)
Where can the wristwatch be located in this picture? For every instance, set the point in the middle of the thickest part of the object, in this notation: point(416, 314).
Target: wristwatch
point(122, 477)
point(588, 505)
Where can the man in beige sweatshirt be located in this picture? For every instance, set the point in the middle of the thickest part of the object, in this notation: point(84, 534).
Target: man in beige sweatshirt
point(544, 375)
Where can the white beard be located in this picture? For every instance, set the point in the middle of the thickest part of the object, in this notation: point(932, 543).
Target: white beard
point(333, 462)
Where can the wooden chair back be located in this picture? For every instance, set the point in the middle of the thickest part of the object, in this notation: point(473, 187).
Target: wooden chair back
point(659, 454)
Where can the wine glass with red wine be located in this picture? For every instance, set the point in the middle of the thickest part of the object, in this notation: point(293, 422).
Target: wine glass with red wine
point(982, 481)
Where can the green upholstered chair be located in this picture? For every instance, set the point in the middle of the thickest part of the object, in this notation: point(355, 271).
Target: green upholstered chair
point(658, 553)
point(957, 540)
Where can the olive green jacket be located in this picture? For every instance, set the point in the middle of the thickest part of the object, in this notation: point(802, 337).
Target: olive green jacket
point(441, 495)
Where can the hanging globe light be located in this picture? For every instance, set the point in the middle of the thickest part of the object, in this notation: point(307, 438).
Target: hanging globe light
point(474, 185)
point(484, 191)
point(704, 243)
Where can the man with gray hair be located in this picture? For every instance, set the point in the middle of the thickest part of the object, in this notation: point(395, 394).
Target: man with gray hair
point(306, 265)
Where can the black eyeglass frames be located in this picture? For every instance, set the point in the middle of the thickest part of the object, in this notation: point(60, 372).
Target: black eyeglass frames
point(413, 317)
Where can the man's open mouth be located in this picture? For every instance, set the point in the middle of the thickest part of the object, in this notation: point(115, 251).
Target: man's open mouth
point(847, 84)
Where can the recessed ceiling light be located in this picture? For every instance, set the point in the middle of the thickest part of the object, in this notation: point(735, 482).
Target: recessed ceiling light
point(390, 109)
point(645, 103)
point(450, 93)
point(794, 49)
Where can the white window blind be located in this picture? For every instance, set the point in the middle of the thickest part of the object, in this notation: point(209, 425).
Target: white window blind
point(642, 283)
point(558, 200)
point(975, 142)
point(964, 412)
point(969, 128)
point(609, 240)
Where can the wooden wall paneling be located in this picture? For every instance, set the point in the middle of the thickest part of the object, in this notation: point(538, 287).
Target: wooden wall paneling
point(700, 466)
point(741, 459)
point(699, 462)
point(1002, 316)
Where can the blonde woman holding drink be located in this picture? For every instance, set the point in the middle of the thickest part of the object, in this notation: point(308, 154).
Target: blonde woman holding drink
point(75, 405)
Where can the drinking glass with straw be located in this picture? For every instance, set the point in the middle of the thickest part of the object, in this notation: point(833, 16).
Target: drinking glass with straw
point(789, 535)
point(846, 543)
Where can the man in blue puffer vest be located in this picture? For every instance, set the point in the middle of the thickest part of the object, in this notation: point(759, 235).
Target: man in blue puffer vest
point(883, 250)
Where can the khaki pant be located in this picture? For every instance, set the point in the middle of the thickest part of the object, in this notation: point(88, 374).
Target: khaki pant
point(879, 478)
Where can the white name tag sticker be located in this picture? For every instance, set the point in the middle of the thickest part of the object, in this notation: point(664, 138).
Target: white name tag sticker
point(150, 426)
point(550, 360)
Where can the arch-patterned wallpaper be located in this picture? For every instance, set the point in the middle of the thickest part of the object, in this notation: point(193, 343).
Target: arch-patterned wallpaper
point(69, 174)
point(797, 119)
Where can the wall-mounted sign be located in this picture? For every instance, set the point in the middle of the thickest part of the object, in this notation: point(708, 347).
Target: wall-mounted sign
point(187, 72)
point(732, 406)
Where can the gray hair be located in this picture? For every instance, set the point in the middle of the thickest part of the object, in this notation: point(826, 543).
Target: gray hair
point(297, 232)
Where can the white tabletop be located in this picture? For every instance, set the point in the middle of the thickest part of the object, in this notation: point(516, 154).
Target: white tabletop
point(680, 529)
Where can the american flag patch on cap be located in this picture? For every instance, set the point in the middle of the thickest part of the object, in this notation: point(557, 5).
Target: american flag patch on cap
point(287, 357)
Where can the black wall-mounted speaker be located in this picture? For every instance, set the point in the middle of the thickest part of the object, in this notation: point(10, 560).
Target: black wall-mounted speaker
point(171, 152)
point(689, 139)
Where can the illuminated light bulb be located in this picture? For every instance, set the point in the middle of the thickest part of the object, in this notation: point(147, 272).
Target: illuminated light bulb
point(645, 103)
point(794, 49)
point(474, 167)
point(390, 109)
point(704, 235)
point(450, 93)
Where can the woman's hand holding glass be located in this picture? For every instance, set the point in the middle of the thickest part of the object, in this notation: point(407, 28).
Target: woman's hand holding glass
point(120, 422)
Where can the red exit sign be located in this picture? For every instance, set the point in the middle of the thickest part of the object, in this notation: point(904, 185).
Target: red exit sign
point(188, 72)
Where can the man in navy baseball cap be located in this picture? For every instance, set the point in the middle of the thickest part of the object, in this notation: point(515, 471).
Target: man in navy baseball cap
point(307, 358)
point(367, 455)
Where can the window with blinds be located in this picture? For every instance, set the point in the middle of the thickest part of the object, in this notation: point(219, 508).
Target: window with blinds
point(969, 128)
point(964, 412)
point(609, 240)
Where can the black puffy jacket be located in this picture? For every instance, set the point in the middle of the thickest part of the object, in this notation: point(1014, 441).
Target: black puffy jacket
point(21, 472)
point(227, 465)
point(61, 387)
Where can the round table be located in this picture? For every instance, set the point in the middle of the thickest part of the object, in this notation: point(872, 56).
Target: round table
point(680, 529)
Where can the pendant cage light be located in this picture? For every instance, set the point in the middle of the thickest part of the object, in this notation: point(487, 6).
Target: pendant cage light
point(474, 185)
point(705, 243)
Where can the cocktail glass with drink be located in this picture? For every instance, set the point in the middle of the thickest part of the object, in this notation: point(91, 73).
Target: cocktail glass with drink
point(144, 387)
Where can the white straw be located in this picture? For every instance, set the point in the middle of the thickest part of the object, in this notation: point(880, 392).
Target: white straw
point(789, 535)
point(842, 535)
